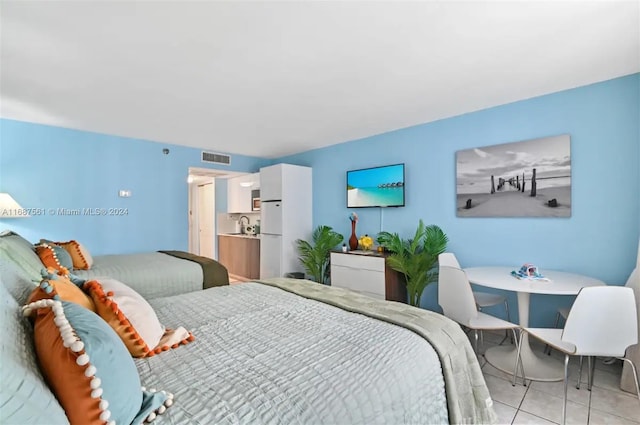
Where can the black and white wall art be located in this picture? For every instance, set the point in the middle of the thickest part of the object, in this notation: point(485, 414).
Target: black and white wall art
point(531, 178)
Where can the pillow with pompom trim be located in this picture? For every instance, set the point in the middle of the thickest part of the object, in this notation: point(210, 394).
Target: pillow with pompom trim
point(80, 255)
point(52, 273)
point(88, 367)
point(54, 256)
point(57, 287)
point(133, 319)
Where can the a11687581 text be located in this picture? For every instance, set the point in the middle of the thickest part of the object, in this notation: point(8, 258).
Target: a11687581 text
point(26, 212)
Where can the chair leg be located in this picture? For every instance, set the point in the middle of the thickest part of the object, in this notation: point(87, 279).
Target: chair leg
point(580, 373)
point(475, 343)
point(592, 369)
point(566, 384)
point(518, 361)
point(635, 375)
point(547, 348)
point(506, 307)
point(524, 376)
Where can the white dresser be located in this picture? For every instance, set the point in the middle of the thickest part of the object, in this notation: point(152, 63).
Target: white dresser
point(366, 274)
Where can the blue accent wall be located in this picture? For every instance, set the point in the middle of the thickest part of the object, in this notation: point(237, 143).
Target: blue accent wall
point(600, 239)
point(50, 167)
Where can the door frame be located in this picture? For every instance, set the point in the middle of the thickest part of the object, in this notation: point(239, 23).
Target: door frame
point(195, 177)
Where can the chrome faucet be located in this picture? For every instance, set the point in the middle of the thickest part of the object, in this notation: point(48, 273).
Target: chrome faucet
point(243, 227)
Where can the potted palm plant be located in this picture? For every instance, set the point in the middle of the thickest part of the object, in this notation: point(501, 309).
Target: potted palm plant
point(415, 258)
point(315, 257)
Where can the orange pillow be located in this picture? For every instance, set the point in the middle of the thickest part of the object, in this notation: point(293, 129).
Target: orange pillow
point(133, 319)
point(80, 256)
point(88, 368)
point(62, 289)
point(54, 256)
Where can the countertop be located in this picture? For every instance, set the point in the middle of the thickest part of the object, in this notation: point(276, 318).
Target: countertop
point(240, 235)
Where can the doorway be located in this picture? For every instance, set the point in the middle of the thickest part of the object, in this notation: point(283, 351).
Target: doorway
point(202, 210)
point(206, 219)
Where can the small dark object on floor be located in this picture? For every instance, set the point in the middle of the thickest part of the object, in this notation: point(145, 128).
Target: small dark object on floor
point(553, 203)
point(468, 206)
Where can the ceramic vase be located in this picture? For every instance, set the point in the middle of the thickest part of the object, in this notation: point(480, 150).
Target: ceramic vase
point(353, 240)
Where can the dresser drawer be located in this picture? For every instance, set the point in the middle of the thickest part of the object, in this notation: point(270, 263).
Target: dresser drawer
point(359, 280)
point(357, 261)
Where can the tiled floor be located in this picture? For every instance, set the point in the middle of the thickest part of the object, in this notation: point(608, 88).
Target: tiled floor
point(541, 402)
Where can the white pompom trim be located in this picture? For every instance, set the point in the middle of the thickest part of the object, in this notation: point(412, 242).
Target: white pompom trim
point(95, 383)
point(71, 341)
point(163, 407)
point(90, 371)
point(105, 415)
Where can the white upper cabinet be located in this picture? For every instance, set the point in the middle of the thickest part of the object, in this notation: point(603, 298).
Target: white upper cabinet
point(271, 181)
point(239, 192)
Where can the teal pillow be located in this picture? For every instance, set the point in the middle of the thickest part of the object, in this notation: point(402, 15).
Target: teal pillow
point(63, 257)
point(73, 344)
point(25, 397)
point(75, 279)
point(20, 251)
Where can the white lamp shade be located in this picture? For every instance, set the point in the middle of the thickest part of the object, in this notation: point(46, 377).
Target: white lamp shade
point(9, 208)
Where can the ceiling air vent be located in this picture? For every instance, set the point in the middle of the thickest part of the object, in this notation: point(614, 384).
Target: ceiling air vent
point(216, 158)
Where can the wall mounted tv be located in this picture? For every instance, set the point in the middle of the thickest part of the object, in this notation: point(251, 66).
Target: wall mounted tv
point(376, 187)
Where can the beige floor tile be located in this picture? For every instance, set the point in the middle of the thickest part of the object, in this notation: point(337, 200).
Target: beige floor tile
point(549, 407)
point(481, 360)
point(615, 402)
point(502, 391)
point(488, 369)
point(505, 413)
point(556, 389)
point(608, 380)
point(597, 417)
point(524, 418)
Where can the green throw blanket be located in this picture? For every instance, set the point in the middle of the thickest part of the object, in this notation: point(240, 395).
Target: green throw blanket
point(468, 398)
point(214, 273)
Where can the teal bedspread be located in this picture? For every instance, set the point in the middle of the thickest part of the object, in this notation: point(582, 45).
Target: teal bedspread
point(151, 274)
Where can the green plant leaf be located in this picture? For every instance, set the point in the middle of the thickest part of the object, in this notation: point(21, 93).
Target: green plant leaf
point(415, 258)
point(315, 258)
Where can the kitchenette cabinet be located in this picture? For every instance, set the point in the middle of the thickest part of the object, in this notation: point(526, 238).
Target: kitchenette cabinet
point(240, 254)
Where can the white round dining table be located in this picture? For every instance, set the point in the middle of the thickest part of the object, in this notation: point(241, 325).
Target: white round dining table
point(537, 368)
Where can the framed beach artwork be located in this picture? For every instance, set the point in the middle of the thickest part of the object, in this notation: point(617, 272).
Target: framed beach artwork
point(531, 178)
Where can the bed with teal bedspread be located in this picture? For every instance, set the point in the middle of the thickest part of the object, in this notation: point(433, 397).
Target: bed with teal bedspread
point(272, 353)
point(151, 274)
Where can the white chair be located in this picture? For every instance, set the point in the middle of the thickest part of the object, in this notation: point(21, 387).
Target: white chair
point(563, 313)
point(607, 333)
point(633, 353)
point(458, 304)
point(486, 299)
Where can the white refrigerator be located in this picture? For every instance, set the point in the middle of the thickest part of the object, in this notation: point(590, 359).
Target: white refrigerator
point(271, 239)
point(286, 212)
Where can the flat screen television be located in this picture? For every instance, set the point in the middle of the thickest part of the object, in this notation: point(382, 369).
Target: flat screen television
point(376, 187)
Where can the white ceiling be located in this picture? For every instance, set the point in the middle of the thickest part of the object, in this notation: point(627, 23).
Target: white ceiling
point(275, 78)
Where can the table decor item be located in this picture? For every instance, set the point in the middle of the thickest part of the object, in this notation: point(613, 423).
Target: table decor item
point(528, 271)
point(353, 240)
point(366, 242)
